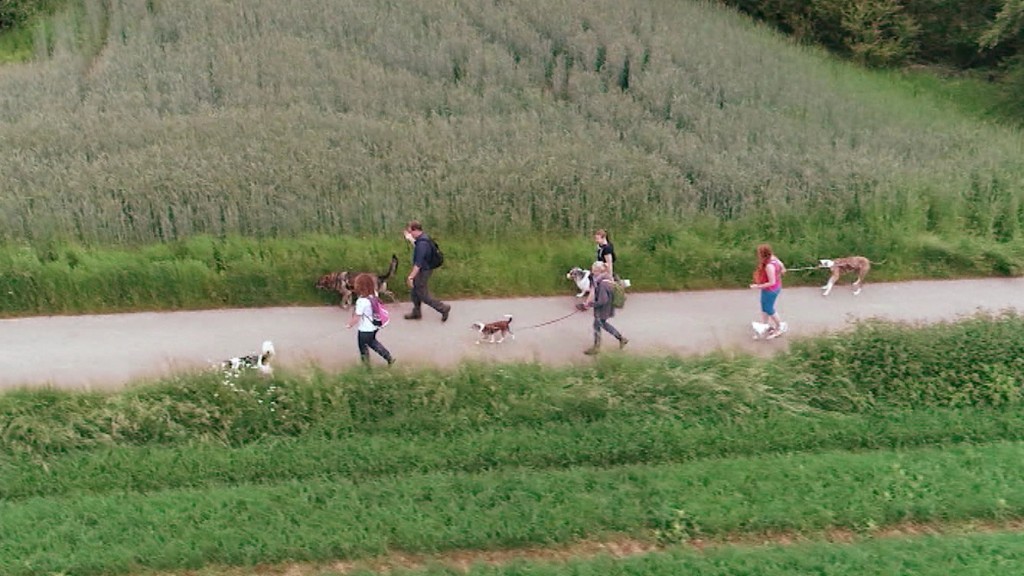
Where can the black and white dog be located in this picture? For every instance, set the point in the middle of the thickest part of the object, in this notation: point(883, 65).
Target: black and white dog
point(582, 279)
point(259, 361)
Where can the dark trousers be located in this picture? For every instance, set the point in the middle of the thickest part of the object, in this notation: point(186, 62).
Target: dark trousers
point(602, 323)
point(421, 293)
point(368, 340)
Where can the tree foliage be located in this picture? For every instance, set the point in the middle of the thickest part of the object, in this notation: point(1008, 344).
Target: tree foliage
point(1009, 23)
point(14, 13)
point(958, 33)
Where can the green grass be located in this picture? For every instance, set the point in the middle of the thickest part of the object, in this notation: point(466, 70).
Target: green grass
point(611, 441)
point(322, 519)
point(207, 272)
point(965, 92)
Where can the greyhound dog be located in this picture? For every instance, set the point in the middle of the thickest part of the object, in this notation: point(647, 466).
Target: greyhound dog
point(858, 264)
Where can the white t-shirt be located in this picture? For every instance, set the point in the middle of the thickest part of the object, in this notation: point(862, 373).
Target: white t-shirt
point(365, 312)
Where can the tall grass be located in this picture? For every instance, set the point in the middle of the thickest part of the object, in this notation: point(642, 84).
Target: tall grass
point(150, 121)
point(208, 272)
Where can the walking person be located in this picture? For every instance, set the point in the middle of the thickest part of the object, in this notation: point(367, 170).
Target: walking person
point(768, 279)
point(362, 315)
point(602, 290)
point(425, 258)
point(605, 250)
point(605, 255)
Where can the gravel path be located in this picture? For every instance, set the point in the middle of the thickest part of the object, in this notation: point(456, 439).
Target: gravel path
point(110, 351)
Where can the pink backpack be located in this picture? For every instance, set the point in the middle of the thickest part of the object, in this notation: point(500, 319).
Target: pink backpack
point(381, 317)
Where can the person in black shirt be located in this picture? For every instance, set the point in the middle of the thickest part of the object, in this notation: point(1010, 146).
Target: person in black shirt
point(606, 256)
point(605, 251)
point(419, 276)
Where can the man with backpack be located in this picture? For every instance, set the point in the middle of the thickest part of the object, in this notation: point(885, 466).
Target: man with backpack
point(426, 257)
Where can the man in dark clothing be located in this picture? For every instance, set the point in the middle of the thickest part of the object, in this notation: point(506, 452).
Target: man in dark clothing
point(419, 276)
point(603, 307)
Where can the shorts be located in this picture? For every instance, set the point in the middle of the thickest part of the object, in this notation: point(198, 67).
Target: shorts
point(768, 298)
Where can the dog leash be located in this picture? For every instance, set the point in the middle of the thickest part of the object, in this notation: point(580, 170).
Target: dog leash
point(573, 313)
point(880, 262)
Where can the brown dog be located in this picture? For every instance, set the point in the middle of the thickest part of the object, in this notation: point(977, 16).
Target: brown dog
point(492, 329)
point(858, 264)
point(341, 282)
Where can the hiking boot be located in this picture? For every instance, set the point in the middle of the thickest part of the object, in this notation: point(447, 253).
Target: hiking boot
point(592, 351)
point(415, 315)
point(444, 313)
point(622, 342)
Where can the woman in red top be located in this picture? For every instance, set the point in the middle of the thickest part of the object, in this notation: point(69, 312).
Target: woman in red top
point(768, 279)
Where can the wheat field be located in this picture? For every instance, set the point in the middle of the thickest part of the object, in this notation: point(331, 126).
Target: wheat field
point(155, 120)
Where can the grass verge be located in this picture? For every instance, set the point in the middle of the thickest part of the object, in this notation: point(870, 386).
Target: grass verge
point(323, 519)
point(207, 272)
point(610, 442)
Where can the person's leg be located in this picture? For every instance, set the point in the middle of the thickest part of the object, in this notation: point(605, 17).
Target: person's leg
point(768, 314)
point(779, 324)
point(416, 299)
point(623, 340)
point(420, 287)
point(597, 338)
point(364, 342)
point(611, 330)
point(380, 349)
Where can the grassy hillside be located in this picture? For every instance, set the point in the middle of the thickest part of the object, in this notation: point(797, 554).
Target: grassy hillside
point(145, 121)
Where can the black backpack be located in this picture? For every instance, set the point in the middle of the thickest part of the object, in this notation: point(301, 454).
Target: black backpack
point(436, 259)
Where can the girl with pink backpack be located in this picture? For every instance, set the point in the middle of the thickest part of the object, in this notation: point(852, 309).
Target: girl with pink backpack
point(370, 315)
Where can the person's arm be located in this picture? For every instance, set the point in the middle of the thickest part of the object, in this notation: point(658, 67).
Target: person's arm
point(603, 295)
point(419, 258)
point(610, 262)
point(412, 275)
point(354, 319)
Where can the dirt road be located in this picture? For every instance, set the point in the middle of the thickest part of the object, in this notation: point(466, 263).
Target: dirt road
point(109, 351)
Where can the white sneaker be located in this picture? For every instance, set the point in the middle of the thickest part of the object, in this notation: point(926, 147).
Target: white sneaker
point(773, 333)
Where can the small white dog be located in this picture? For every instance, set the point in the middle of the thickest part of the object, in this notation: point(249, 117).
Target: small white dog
point(582, 279)
point(259, 361)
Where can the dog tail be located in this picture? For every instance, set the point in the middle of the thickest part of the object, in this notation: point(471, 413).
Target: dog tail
point(391, 269)
point(268, 349)
point(509, 316)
